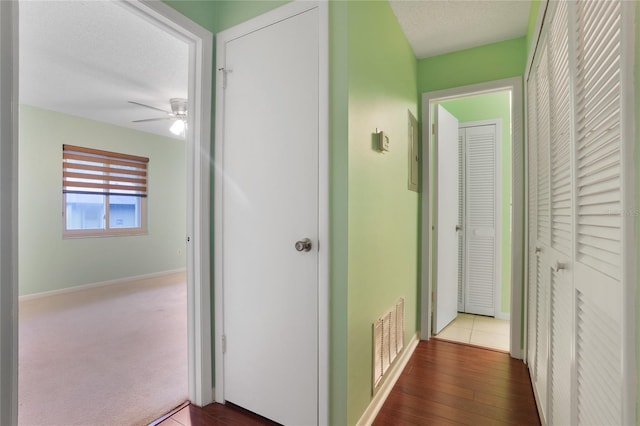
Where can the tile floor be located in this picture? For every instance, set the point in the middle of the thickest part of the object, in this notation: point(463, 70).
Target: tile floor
point(478, 330)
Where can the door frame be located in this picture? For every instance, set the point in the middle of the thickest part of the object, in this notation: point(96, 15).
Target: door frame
point(514, 84)
point(283, 12)
point(198, 143)
point(9, 212)
point(200, 42)
point(497, 300)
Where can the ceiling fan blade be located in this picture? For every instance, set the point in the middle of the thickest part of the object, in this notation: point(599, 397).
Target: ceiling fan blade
point(149, 106)
point(153, 119)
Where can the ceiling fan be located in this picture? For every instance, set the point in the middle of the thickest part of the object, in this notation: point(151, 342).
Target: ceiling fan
point(178, 113)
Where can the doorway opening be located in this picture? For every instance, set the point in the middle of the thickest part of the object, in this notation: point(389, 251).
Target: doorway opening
point(478, 299)
point(193, 186)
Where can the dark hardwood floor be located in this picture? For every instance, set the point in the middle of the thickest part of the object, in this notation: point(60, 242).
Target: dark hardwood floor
point(452, 384)
point(443, 384)
point(214, 414)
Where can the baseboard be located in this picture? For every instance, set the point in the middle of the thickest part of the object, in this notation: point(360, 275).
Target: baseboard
point(504, 316)
point(536, 397)
point(394, 373)
point(73, 289)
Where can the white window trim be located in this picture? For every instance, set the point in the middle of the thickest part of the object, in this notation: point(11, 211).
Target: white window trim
point(106, 231)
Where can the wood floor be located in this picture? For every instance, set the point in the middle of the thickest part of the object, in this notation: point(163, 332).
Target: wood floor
point(452, 384)
point(443, 384)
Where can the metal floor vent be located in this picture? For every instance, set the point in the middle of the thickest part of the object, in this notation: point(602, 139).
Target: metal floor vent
point(388, 341)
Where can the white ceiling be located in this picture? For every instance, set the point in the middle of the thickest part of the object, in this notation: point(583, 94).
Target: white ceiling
point(88, 58)
point(434, 27)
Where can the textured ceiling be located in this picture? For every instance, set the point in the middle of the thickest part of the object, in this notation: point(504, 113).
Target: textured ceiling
point(434, 27)
point(88, 58)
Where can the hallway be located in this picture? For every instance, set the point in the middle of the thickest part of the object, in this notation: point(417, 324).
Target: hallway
point(444, 383)
point(452, 384)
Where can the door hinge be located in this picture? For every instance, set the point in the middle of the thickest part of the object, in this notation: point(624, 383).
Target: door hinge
point(433, 128)
point(224, 344)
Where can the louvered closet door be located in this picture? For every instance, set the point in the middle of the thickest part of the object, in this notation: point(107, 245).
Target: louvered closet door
point(542, 234)
point(532, 260)
point(481, 245)
point(600, 229)
point(561, 196)
point(579, 150)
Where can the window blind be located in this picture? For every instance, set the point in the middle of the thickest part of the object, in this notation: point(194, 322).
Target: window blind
point(93, 171)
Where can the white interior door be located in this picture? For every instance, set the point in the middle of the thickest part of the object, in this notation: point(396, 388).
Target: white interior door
point(561, 195)
point(270, 202)
point(481, 275)
point(582, 260)
point(446, 235)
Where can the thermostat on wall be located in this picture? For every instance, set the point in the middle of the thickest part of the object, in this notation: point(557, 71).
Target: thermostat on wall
point(383, 141)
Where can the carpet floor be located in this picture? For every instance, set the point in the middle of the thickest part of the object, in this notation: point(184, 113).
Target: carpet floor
point(112, 355)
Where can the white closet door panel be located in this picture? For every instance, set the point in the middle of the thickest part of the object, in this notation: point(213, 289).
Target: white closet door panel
point(560, 348)
point(598, 129)
point(561, 280)
point(598, 349)
point(542, 335)
point(543, 228)
point(561, 189)
point(599, 297)
point(542, 144)
point(481, 216)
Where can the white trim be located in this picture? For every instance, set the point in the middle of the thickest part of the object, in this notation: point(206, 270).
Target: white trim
point(515, 85)
point(324, 335)
point(497, 297)
point(537, 399)
point(503, 316)
point(385, 389)
point(9, 212)
point(517, 219)
point(276, 15)
point(198, 144)
point(536, 37)
point(82, 287)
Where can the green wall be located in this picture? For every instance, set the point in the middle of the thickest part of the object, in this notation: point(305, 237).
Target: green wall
point(338, 208)
point(533, 19)
point(382, 212)
point(486, 107)
point(470, 66)
point(49, 262)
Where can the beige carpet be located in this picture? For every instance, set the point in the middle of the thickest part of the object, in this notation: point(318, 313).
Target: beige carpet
point(114, 355)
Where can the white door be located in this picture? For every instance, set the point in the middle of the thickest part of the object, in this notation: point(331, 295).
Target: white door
point(481, 219)
point(446, 219)
point(561, 240)
point(270, 202)
point(582, 277)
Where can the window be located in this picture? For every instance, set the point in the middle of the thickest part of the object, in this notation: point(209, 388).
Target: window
point(104, 193)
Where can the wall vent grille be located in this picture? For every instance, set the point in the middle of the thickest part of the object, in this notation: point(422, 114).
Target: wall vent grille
point(388, 341)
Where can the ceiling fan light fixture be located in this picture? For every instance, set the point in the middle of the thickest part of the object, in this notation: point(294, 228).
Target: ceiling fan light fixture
point(177, 128)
